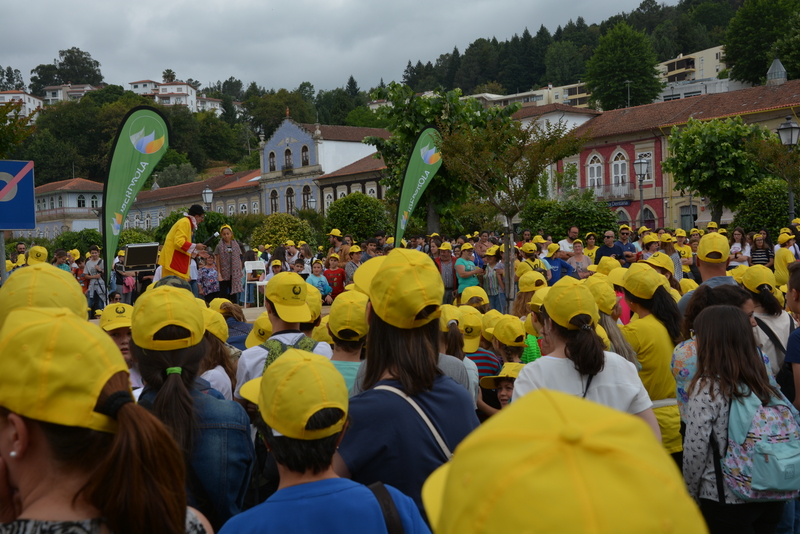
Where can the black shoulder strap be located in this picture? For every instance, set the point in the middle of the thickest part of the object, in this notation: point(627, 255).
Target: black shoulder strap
point(717, 467)
point(390, 514)
point(588, 383)
point(771, 335)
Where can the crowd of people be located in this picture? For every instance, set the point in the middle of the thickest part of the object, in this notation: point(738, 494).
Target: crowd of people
point(422, 399)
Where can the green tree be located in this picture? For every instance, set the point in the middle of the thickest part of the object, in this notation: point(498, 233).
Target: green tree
point(130, 236)
point(777, 160)
point(623, 54)
point(490, 87)
point(475, 214)
point(11, 79)
point(217, 139)
point(72, 66)
point(186, 135)
point(279, 228)
point(365, 117)
point(763, 205)
point(268, 111)
point(407, 115)
point(564, 63)
point(752, 34)
point(80, 240)
point(333, 106)
point(316, 221)
point(176, 175)
point(14, 129)
point(212, 223)
point(244, 225)
point(168, 76)
point(54, 158)
point(359, 215)
point(711, 159)
point(352, 87)
point(788, 48)
point(579, 210)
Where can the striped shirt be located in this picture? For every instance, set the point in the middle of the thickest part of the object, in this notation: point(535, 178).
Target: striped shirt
point(487, 361)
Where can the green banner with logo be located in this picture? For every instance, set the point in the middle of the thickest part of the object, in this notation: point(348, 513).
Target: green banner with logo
point(423, 163)
point(142, 139)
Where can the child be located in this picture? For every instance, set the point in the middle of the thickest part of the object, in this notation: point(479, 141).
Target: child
point(503, 383)
point(335, 275)
point(78, 272)
point(208, 279)
point(299, 266)
point(317, 280)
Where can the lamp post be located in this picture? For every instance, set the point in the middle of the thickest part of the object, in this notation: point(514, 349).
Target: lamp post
point(789, 132)
point(640, 167)
point(208, 197)
point(312, 203)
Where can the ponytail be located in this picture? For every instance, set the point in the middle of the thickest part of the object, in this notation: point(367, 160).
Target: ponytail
point(766, 299)
point(583, 346)
point(663, 307)
point(453, 341)
point(619, 344)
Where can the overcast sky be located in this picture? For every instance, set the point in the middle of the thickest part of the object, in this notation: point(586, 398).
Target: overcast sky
point(276, 44)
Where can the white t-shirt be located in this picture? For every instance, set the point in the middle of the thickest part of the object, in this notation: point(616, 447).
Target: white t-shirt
point(219, 380)
point(780, 326)
point(737, 247)
point(251, 362)
point(474, 378)
point(565, 245)
point(618, 385)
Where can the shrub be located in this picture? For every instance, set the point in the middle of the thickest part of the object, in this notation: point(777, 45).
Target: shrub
point(279, 228)
point(359, 215)
point(556, 217)
point(764, 205)
point(80, 240)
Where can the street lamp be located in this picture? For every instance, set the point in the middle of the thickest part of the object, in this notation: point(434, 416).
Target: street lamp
point(789, 131)
point(312, 203)
point(208, 197)
point(640, 167)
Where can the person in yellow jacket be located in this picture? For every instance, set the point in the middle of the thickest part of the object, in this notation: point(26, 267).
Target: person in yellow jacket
point(783, 258)
point(178, 247)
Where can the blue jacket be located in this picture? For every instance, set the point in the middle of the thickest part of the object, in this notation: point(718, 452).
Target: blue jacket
point(222, 454)
point(237, 333)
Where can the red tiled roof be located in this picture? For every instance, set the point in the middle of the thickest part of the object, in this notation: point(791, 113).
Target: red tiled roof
point(242, 183)
point(75, 184)
point(143, 81)
point(346, 133)
point(367, 164)
point(538, 111)
point(192, 189)
point(704, 107)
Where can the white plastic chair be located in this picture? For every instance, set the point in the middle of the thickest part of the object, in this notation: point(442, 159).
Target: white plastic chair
point(249, 267)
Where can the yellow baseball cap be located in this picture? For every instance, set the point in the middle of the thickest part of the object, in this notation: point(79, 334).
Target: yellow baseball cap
point(607, 264)
point(364, 274)
point(568, 298)
point(294, 388)
point(9, 266)
point(509, 370)
point(783, 238)
point(349, 314)
point(354, 249)
point(509, 330)
point(529, 248)
point(335, 232)
point(88, 255)
point(314, 301)
point(587, 461)
point(723, 231)
point(643, 229)
point(116, 316)
point(624, 227)
point(320, 248)
point(472, 292)
point(121, 253)
point(471, 326)
point(538, 239)
point(757, 276)
point(738, 272)
point(680, 232)
point(538, 298)
point(687, 284)
point(667, 238)
point(75, 253)
point(592, 234)
point(643, 282)
point(301, 243)
point(409, 283)
point(262, 331)
point(466, 246)
point(603, 293)
point(711, 243)
point(712, 224)
point(659, 259)
point(290, 243)
point(54, 366)
point(275, 263)
point(287, 291)
point(532, 281)
point(694, 231)
point(320, 333)
point(615, 276)
point(796, 221)
point(215, 323)
point(390, 241)
point(334, 256)
point(491, 251)
point(449, 314)
point(488, 321)
point(445, 246)
point(650, 238)
point(166, 306)
point(42, 286)
point(36, 255)
point(552, 248)
point(216, 304)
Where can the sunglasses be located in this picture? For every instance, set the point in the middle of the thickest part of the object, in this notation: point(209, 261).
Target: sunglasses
point(626, 233)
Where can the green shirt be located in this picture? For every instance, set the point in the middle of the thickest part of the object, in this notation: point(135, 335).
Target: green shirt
point(531, 352)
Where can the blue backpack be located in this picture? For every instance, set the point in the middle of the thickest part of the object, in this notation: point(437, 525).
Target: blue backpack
point(762, 459)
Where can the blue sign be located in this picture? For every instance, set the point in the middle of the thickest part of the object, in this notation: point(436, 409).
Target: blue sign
point(17, 203)
point(616, 203)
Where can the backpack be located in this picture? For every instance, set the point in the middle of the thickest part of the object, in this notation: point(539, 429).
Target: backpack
point(275, 348)
point(785, 376)
point(762, 459)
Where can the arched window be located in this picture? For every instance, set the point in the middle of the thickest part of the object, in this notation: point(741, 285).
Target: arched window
point(271, 162)
point(273, 201)
point(81, 201)
point(231, 209)
point(52, 203)
point(47, 232)
point(147, 221)
point(60, 201)
point(243, 209)
point(595, 174)
point(220, 209)
point(304, 156)
point(255, 207)
point(287, 159)
point(127, 223)
point(136, 221)
point(371, 192)
point(160, 217)
point(649, 218)
point(38, 204)
point(55, 231)
point(328, 200)
point(289, 200)
point(622, 217)
point(306, 195)
point(93, 200)
point(619, 175)
point(342, 193)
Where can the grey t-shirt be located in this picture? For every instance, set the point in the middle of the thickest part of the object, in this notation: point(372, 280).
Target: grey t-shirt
point(711, 282)
point(449, 365)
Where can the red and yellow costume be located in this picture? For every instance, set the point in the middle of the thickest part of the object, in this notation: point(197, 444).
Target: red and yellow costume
point(178, 249)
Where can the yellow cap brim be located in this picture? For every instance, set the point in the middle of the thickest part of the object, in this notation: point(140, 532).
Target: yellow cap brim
point(471, 344)
point(119, 323)
point(253, 339)
point(349, 287)
point(293, 314)
point(364, 274)
point(250, 390)
point(592, 268)
point(433, 493)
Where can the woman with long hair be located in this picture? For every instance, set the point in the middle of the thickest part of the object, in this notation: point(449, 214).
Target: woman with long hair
point(402, 351)
point(218, 367)
point(280, 254)
point(653, 336)
point(228, 256)
point(493, 279)
point(307, 256)
point(668, 248)
point(529, 283)
point(84, 457)
point(213, 434)
point(591, 245)
point(761, 253)
point(610, 310)
point(451, 342)
point(578, 364)
point(740, 250)
point(729, 368)
point(767, 239)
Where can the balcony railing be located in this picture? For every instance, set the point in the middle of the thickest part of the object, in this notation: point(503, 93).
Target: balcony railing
point(60, 213)
point(623, 192)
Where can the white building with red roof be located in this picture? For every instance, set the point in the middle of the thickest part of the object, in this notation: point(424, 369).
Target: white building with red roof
point(30, 104)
